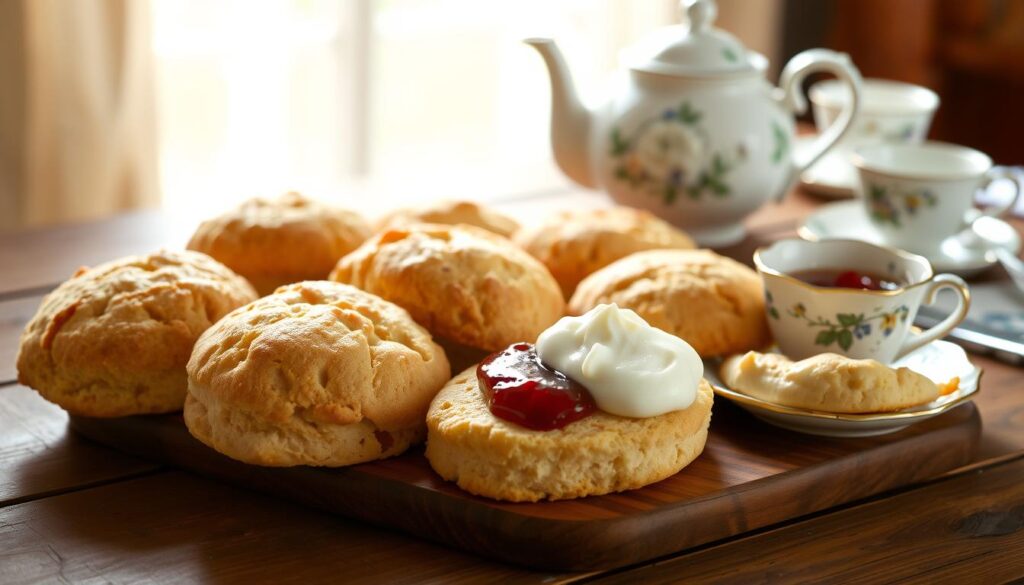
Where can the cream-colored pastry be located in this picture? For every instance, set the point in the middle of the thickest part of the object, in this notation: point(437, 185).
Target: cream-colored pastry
point(114, 339)
point(318, 373)
point(574, 244)
point(599, 454)
point(462, 283)
point(273, 242)
point(712, 302)
point(451, 213)
point(827, 382)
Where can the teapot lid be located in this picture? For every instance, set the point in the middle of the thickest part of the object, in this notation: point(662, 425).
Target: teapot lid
point(695, 48)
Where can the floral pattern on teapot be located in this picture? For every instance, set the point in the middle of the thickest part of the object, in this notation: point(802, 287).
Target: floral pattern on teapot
point(692, 131)
point(670, 154)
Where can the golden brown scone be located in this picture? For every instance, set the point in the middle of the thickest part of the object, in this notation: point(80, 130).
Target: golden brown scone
point(714, 303)
point(273, 242)
point(827, 382)
point(451, 213)
point(599, 454)
point(462, 283)
point(114, 339)
point(575, 244)
point(318, 373)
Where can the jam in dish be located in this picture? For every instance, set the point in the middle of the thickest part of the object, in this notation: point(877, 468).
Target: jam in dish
point(522, 390)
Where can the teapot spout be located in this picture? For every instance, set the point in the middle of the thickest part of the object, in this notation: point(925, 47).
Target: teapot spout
point(570, 119)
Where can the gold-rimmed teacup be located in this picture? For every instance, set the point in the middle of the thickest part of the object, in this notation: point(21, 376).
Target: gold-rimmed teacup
point(807, 320)
point(916, 196)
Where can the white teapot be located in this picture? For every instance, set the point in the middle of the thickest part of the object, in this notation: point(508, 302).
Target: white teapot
point(694, 132)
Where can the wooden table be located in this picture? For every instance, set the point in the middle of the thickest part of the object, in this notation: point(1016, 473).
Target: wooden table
point(74, 511)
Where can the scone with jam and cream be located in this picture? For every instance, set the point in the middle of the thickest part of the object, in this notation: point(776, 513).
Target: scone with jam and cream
point(603, 403)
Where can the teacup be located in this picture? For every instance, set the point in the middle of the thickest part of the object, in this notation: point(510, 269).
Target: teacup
point(807, 320)
point(890, 111)
point(918, 195)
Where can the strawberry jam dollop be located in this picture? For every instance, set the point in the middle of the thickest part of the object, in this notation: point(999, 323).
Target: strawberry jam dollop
point(522, 390)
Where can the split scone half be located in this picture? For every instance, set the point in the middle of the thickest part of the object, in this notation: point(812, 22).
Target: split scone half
point(600, 454)
point(827, 382)
point(318, 373)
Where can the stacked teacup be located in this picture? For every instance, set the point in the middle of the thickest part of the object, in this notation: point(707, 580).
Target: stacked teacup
point(917, 195)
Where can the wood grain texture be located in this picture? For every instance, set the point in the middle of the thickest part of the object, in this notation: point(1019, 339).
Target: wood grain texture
point(1001, 403)
point(749, 476)
point(175, 528)
point(41, 258)
point(967, 528)
point(14, 315)
point(39, 457)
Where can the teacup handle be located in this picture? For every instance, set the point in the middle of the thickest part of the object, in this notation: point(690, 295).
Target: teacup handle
point(994, 174)
point(791, 83)
point(940, 329)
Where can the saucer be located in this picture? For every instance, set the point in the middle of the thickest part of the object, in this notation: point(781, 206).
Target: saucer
point(939, 360)
point(832, 176)
point(847, 220)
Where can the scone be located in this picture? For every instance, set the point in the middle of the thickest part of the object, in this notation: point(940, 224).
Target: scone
point(599, 454)
point(464, 284)
point(318, 373)
point(451, 213)
point(714, 303)
point(827, 382)
point(114, 339)
point(574, 244)
point(273, 242)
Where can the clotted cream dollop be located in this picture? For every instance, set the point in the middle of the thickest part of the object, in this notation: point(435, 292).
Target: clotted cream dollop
point(630, 368)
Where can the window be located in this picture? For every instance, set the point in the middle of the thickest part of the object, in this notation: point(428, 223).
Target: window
point(419, 98)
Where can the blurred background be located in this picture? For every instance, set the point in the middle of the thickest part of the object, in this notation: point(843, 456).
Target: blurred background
point(115, 105)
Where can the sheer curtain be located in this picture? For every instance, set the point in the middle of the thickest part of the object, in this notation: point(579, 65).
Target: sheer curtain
point(77, 129)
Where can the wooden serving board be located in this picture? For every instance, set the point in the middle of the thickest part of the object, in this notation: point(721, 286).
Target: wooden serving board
point(750, 475)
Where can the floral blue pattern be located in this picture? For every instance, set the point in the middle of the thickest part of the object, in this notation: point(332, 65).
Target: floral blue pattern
point(849, 327)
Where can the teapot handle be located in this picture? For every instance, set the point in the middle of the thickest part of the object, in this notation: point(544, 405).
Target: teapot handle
point(791, 84)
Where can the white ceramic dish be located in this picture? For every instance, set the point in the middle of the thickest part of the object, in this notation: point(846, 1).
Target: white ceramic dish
point(939, 360)
point(848, 220)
